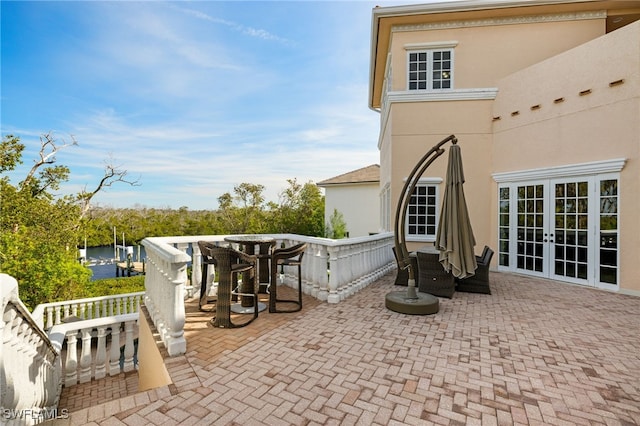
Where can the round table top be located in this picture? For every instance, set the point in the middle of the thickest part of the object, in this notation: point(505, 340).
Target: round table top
point(249, 239)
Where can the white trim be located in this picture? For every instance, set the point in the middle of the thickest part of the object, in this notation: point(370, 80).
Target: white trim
point(431, 45)
point(442, 95)
point(513, 20)
point(591, 168)
point(427, 180)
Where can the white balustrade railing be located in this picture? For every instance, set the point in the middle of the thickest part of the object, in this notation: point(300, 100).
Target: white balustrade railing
point(48, 315)
point(332, 270)
point(30, 366)
point(112, 335)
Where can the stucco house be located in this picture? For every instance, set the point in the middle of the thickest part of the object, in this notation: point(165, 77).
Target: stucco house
point(544, 98)
point(355, 194)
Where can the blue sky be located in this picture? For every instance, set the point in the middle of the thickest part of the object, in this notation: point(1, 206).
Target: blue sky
point(191, 98)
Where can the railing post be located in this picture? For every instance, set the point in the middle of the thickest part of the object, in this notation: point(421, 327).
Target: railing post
point(114, 351)
point(71, 364)
point(85, 356)
point(101, 353)
point(128, 347)
point(334, 274)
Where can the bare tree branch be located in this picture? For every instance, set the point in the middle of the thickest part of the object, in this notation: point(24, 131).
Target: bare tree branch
point(48, 150)
point(112, 174)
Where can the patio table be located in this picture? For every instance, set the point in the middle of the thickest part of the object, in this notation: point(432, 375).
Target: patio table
point(249, 243)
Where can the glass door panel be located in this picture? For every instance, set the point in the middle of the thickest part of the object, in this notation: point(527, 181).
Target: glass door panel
point(530, 228)
point(571, 231)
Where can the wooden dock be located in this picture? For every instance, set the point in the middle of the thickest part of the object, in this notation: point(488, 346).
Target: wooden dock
point(129, 268)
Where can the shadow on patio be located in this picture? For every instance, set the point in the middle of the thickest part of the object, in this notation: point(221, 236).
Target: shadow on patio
point(535, 351)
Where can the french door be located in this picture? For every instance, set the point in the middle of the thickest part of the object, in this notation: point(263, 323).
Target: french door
point(564, 229)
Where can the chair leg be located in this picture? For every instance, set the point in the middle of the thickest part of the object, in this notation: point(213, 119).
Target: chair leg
point(223, 305)
point(273, 295)
point(254, 295)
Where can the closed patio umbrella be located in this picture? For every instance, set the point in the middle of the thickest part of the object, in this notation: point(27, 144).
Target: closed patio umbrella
point(455, 239)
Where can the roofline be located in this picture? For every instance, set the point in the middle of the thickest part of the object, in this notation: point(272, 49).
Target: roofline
point(360, 182)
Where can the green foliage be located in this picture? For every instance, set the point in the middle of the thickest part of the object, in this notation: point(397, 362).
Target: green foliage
point(337, 227)
point(111, 286)
point(39, 234)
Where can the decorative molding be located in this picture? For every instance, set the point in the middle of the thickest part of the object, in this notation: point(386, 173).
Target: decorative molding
point(427, 180)
point(431, 45)
point(442, 95)
point(535, 19)
point(591, 168)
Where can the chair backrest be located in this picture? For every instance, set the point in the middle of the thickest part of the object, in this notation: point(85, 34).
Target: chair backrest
point(290, 252)
point(205, 250)
point(484, 252)
point(487, 255)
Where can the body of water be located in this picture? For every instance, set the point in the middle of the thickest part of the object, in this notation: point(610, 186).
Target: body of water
point(101, 259)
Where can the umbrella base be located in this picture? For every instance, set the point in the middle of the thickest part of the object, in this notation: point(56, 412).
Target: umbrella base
point(422, 304)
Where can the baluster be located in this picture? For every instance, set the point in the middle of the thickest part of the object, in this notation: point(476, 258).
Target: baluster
point(23, 359)
point(58, 311)
point(83, 311)
point(131, 303)
point(114, 351)
point(110, 307)
point(71, 364)
point(65, 309)
point(8, 344)
point(101, 353)
point(118, 306)
point(85, 357)
point(74, 310)
point(49, 318)
point(90, 311)
point(128, 347)
point(103, 310)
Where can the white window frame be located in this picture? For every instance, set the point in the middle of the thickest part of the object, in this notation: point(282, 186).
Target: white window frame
point(425, 182)
point(429, 49)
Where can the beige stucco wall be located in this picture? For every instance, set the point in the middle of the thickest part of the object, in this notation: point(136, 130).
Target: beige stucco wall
point(485, 54)
point(531, 65)
point(359, 205)
point(601, 125)
point(420, 126)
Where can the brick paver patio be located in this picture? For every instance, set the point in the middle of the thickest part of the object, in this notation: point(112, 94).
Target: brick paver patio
point(533, 352)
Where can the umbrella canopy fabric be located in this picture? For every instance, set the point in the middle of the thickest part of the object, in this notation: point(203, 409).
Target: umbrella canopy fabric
point(455, 239)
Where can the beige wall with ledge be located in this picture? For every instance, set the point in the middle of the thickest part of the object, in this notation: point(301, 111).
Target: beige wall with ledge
point(579, 117)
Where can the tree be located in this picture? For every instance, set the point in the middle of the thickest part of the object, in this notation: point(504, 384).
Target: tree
point(337, 227)
point(39, 232)
point(243, 212)
point(300, 210)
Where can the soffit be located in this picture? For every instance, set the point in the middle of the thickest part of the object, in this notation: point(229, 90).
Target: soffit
point(619, 13)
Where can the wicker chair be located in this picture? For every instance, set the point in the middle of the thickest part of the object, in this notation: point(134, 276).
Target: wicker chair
point(230, 263)
point(432, 278)
point(478, 283)
point(281, 258)
point(207, 259)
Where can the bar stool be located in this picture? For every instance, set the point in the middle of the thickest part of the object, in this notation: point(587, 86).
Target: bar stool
point(207, 259)
point(286, 257)
point(230, 264)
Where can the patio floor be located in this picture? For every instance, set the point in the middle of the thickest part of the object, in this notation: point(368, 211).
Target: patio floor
point(533, 352)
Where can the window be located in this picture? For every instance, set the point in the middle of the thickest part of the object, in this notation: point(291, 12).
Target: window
point(430, 69)
point(422, 219)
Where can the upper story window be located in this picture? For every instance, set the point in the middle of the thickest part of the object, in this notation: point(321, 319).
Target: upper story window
point(430, 66)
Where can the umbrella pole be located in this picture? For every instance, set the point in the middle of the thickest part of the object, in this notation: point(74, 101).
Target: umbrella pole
point(409, 302)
